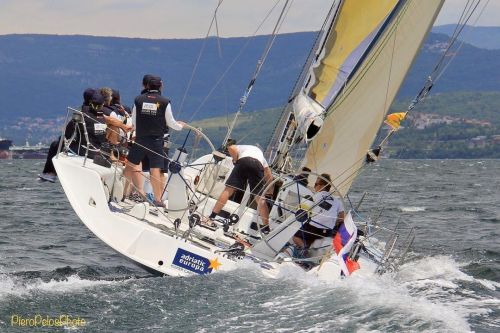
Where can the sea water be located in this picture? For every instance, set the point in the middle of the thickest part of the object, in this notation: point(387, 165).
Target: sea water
point(52, 267)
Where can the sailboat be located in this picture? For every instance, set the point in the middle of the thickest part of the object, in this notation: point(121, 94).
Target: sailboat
point(360, 60)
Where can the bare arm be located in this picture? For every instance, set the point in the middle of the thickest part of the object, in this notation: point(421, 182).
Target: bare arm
point(112, 121)
point(233, 151)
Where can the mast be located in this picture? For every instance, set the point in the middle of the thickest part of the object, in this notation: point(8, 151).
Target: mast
point(285, 132)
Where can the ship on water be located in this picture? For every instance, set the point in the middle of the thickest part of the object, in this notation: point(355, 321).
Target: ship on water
point(38, 151)
point(5, 145)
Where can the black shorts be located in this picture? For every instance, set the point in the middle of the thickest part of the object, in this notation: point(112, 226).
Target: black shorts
point(310, 233)
point(164, 168)
point(150, 147)
point(247, 170)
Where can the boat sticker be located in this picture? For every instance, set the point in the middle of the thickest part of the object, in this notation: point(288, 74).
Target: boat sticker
point(149, 108)
point(188, 261)
point(98, 127)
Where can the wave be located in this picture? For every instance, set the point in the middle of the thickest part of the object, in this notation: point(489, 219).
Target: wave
point(429, 294)
point(65, 279)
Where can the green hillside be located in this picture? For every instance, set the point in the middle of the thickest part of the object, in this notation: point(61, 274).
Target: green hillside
point(470, 112)
point(479, 105)
point(472, 131)
point(253, 128)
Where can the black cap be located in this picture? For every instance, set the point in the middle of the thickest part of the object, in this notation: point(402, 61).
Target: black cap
point(146, 78)
point(97, 98)
point(87, 95)
point(155, 83)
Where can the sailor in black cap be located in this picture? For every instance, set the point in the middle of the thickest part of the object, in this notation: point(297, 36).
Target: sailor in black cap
point(95, 124)
point(49, 172)
point(151, 116)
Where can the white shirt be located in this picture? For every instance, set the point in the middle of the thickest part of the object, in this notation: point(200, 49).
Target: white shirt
point(326, 218)
point(252, 151)
point(169, 118)
point(118, 116)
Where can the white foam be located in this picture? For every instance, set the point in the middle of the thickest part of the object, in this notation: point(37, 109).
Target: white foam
point(429, 290)
point(11, 286)
point(26, 189)
point(411, 209)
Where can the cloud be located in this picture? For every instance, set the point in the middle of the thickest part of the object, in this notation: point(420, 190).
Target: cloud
point(178, 18)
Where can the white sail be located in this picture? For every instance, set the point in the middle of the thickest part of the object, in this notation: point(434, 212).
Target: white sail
point(359, 108)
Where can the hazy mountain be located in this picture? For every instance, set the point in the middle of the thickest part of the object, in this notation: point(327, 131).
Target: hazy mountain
point(482, 37)
point(43, 74)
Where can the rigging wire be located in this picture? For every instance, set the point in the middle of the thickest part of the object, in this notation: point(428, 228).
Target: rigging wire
point(243, 48)
point(439, 68)
point(278, 130)
point(466, 15)
point(199, 57)
point(260, 63)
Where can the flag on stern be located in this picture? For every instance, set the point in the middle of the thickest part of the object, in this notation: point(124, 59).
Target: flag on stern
point(343, 242)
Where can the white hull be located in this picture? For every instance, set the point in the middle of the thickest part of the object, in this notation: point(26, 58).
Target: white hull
point(150, 239)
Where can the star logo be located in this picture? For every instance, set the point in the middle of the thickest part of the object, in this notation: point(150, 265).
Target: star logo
point(214, 264)
point(157, 105)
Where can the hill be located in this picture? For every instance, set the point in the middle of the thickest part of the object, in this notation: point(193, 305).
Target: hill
point(481, 37)
point(42, 74)
point(459, 125)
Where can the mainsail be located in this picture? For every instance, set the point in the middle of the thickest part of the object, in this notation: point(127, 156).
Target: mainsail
point(368, 50)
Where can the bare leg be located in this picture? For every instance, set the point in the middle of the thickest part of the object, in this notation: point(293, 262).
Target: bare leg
point(156, 183)
point(263, 210)
point(130, 174)
point(138, 179)
point(223, 198)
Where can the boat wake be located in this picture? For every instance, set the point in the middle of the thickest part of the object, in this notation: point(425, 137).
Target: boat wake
point(429, 294)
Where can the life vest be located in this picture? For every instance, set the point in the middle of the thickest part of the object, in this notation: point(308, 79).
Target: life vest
point(150, 114)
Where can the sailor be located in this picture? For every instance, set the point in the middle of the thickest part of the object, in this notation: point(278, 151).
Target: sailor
point(49, 172)
point(151, 116)
point(328, 218)
point(95, 125)
point(119, 111)
point(250, 167)
point(117, 128)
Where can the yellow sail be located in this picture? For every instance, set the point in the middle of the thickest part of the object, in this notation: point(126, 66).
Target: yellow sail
point(358, 111)
point(353, 31)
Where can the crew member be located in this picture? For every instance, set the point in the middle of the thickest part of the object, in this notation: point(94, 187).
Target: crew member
point(95, 125)
point(49, 172)
point(328, 219)
point(250, 167)
point(151, 116)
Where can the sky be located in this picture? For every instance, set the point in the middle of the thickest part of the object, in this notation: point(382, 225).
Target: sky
point(181, 18)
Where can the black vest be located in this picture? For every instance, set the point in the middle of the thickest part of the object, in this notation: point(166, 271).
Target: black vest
point(96, 127)
point(150, 114)
point(96, 135)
